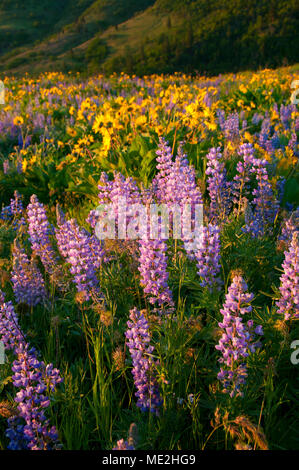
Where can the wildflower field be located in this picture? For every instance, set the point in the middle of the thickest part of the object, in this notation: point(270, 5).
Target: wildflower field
point(142, 342)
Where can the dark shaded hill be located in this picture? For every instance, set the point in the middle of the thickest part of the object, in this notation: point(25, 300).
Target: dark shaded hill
point(146, 36)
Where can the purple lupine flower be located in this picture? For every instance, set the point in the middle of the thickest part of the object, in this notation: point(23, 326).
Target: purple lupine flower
point(244, 169)
point(288, 304)
point(6, 167)
point(33, 378)
point(138, 341)
point(289, 226)
point(14, 209)
point(84, 252)
point(29, 428)
point(221, 118)
point(10, 332)
point(231, 126)
point(118, 192)
point(28, 283)
point(207, 255)
point(275, 141)
point(264, 133)
point(39, 230)
point(153, 271)
point(175, 185)
point(175, 182)
point(164, 158)
point(256, 118)
point(218, 186)
point(266, 206)
point(293, 144)
point(238, 339)
point(286, 114)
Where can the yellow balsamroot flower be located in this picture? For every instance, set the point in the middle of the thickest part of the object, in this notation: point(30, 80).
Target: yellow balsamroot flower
point(72, 132)
point(98, 122)
point(243, 88)
point(292, 159)
point(230, 146)
point(106, 139)
point(141, 120)
point(248, 137)
point(212, 126)
point(159, 130)
point(207, 112)
point(18, 121)
point(24, 164)
point(32, 160)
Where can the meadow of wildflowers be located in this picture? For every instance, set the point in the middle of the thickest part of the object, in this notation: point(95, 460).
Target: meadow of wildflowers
point(149, 342)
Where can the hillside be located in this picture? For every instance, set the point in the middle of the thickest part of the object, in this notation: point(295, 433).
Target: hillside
point(147, 36)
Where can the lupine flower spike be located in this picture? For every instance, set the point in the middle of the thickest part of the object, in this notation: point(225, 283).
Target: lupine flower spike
point(238, 339)
point(288, 304)
point(138, 341)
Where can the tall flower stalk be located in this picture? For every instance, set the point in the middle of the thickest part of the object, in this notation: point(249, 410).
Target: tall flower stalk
point(238, 339)
point(28, 283)
point(29, 428)
point(39, 231)
point(264, 202)
point(84, 253)
point(207, 254)
point(153, 271)
point(244, 170)
point(288, 304)
point(218, 186)
point(138, 341)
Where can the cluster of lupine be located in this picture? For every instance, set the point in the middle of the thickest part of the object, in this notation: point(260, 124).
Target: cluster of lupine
point(289, 226)
point(175, 183)
point(288, 304)
point(264, 202)
point(176, 186)
point(14, 212)
point(27, 280)
point(207, 254)
point(242, 177)
point(39, 231)
point(29, 428)
point(231, 126)
point(84, 252)
point(138, 341)
point(15, 208)
point(218, 186)
point(120, 193)
point(152, 259)
point(153, 271)
point(238, 339)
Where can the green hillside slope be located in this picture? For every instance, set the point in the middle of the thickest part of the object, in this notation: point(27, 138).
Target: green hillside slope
point(146, 36)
